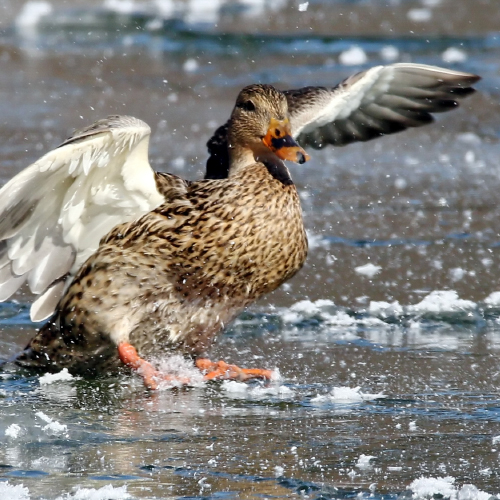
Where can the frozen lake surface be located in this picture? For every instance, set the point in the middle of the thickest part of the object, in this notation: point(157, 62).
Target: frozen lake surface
point(387, 342)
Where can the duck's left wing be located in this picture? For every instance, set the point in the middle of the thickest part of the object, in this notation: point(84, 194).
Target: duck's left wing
point(54, 213)
point(375, 102)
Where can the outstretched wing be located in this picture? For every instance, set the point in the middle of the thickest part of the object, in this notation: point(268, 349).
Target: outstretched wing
point(379, 101)
point(54, 213)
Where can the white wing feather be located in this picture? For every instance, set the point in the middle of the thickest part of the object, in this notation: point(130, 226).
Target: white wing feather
point(54, 213)
point(382, 99)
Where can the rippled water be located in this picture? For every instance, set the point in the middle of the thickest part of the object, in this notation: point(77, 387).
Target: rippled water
point(401, 365)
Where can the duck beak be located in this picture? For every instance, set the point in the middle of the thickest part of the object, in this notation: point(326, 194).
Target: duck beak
point(279, 140)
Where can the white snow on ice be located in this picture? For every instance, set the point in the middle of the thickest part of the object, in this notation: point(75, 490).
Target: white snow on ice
point(62, 376)
point(53, 427)
point(13, 431)
point(241, 390)
point(14, 492)
point(363, 462)
point(346, 395)
point(369, 270)
point(442, 301)
point(430, 487)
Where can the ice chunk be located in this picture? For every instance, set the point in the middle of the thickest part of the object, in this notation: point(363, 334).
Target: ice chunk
point(13, 431)
point(427, 487)
point(471, 492)
point(50, 378)
point(442, 301)
point(53, 427)
point(493, 299)
point(353, 56)
point(14, 492)
point(239, 390)
point(364, 461)
point(347, 395)
point(369, 270)
point(385, 309)
point(107, 492)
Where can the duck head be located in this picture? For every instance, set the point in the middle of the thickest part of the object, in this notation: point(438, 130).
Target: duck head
point(259, 129)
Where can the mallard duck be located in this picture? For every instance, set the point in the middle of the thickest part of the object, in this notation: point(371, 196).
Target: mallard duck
point(129, 263)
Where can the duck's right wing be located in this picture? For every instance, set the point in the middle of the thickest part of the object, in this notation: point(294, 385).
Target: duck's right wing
point(379, 101)
point(54, 213)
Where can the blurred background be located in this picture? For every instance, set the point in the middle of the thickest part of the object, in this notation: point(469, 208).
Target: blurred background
point(404, 256)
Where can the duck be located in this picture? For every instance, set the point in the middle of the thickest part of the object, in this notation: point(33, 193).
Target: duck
point(129, 263)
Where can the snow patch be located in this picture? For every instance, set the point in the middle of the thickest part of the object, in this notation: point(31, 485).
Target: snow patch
point(303, 6)
point(13, 431)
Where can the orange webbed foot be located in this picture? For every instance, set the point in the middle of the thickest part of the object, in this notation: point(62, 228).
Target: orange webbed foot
point(220, 370)
point(150, 375)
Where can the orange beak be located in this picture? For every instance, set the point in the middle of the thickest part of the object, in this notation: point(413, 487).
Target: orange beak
point(279, 140)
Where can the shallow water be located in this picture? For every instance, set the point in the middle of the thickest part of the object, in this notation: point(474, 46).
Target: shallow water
point(413, 384)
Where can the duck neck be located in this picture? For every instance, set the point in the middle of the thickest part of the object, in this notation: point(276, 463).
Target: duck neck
point(242, 157)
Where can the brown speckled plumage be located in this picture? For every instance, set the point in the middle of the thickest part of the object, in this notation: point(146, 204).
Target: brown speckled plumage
point(175, 277)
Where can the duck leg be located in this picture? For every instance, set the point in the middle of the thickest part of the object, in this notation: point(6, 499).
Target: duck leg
point(151, 376)
point(220, 370)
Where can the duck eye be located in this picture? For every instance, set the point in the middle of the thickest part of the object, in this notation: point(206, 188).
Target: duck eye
point(248, 105)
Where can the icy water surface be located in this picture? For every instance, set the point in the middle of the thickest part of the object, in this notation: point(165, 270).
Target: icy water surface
point(387, 342)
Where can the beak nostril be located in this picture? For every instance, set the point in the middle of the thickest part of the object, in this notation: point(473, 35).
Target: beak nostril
point(300, 158)
point(277, 132)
